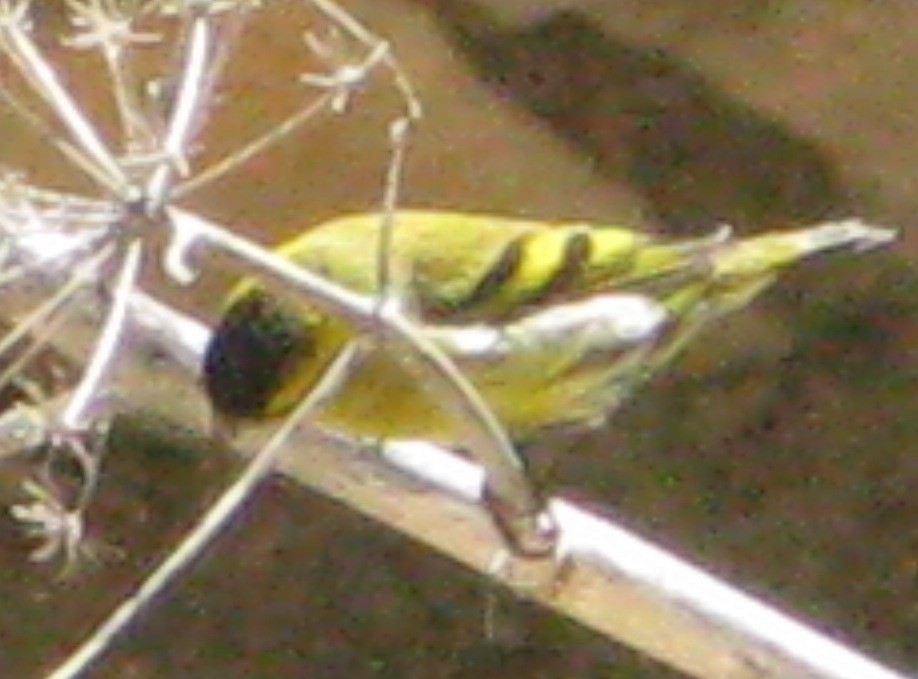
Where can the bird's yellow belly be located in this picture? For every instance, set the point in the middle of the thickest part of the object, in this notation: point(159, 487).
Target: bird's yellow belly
point(384, 399)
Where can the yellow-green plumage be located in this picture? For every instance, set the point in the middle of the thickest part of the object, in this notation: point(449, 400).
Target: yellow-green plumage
point(459, 270)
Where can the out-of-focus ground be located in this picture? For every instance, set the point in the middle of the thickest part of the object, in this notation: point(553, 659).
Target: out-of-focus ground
point(779, 453)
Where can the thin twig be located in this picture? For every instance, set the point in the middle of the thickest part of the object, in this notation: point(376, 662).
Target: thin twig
point(84, 274)
point(109, 27)
point(190, 100)
point(77, 414)
point(207, 527)
point(398, 140)
point(43, 131)
point(253, 148)
point(338, 86)
point(399, 131)
point(39, 341)
point(42, 78)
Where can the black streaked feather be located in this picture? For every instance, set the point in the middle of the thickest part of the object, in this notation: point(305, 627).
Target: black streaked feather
point(494, 279)
point(570, 271)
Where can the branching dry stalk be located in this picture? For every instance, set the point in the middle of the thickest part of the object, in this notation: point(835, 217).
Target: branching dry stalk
point(616, 583)
point(208, 526)
point(82, 242)
point(151, 166)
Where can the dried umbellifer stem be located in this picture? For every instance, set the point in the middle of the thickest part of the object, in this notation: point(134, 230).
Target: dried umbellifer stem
point(143, 173)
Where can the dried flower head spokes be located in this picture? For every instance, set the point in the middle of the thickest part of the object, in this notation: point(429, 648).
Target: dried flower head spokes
point(83, 226)
point(166, 68)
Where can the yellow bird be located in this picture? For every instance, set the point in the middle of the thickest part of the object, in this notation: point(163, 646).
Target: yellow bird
point(554, 323)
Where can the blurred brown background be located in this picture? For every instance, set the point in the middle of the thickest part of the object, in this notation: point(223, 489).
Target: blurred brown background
point(780, 451)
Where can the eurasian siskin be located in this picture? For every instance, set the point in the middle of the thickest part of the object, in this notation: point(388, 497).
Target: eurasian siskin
point(553, 323)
